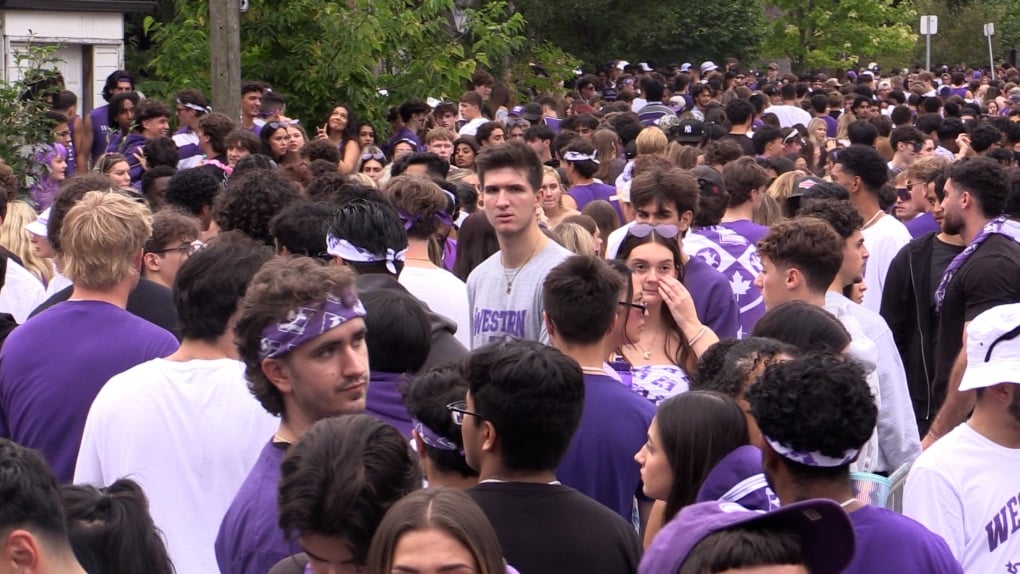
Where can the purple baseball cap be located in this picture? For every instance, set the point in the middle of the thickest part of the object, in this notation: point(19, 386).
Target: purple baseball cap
point(824, 527)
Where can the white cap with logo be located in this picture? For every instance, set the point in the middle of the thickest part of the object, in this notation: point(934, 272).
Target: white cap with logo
point(993, 348)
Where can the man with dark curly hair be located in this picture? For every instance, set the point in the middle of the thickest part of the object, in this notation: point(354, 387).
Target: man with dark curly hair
point(251, 200)
point(301, 336)
point(815, 413)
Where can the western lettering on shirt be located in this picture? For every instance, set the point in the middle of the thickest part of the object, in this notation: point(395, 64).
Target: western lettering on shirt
point(1005, 523)
point(506, 322)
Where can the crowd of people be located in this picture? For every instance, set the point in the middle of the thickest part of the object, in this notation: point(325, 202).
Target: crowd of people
point(683, 319)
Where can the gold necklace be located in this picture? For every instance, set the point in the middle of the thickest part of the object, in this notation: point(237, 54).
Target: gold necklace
point(874, 218)
point(511, 278)
point(646, 352)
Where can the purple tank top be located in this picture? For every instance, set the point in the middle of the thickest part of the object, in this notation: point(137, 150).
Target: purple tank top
point(100, 131)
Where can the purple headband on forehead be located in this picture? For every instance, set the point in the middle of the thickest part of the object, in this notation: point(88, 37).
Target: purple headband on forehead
point(434, 439)
point(308, 322)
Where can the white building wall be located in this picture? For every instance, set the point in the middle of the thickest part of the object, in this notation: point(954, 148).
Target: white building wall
point(76, 33)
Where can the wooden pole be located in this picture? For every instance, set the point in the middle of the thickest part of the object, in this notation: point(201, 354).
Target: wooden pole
point(225, 55)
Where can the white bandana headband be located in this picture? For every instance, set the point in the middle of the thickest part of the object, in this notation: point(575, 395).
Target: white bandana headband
point(815, 459)
point(349, 252)
point(578, 156)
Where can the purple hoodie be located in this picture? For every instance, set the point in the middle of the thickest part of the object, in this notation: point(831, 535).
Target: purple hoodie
point(740, 476)
point(385, 402)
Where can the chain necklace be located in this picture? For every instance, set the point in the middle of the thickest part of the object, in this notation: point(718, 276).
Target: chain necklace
point(511, 277)
point(873, 219)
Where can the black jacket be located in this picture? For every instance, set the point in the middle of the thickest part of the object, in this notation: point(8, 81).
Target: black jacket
point(908, 308)
point(445, 346)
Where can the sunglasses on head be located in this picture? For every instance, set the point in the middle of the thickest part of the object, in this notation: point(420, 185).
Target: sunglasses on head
point(378, 156)
point(643, 230)
point(278, 125)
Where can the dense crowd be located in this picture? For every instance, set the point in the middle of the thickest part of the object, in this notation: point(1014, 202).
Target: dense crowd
point(691, 319)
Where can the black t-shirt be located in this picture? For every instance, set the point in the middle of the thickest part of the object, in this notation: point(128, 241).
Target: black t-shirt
point(553, 529)
point(745, 143)
point(149, 300)
point(990, 277)
point(942, 255)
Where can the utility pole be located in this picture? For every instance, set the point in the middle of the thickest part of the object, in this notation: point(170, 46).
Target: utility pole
point(225, 55)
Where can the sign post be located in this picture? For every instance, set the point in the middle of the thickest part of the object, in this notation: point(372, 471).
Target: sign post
point(929, 27)
point(989, 32)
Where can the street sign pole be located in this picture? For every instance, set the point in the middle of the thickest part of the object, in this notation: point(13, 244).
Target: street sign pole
point(929, 27)
point(989, 32)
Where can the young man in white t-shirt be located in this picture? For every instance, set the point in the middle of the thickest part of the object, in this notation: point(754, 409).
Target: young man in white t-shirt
point(965, 487)
point(186, 428)
point(504, 291)
point(863, 172)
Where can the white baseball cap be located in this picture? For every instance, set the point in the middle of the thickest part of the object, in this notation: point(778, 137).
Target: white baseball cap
point(708, 66)
point(993, 348)
point(38, 227)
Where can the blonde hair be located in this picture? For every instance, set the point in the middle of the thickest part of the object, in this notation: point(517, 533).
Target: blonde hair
point(768, 213)
point(683, 156)
point(17, 239)
point(362, 179)
point(651, 140)
point(575, 238)
point(101, 238)
point(782, 187)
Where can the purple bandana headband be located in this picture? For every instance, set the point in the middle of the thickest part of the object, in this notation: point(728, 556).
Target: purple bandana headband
point(308, 322)
point(815, 459)
point(196, 107)
point(434, 439)
point(410, 220)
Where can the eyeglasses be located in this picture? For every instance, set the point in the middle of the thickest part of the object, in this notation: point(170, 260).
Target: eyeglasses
point(186, 249)
point(643, 230)
point(457, 411)
point(639, 306)
point(903, 193)
point(1004, 337)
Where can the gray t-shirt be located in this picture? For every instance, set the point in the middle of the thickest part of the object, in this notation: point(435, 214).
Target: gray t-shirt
point(496, 315)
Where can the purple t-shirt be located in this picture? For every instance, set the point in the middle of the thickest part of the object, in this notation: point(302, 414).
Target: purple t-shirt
point(831, 125)
point(250, 540)
point(100, 131)
point(585, 194)
point(385, 402)
point(600, 460)
point(731, 248)
point(891, 542)
point(53, 366)
point(739, 477)
point(713, 298)
point(922, 225)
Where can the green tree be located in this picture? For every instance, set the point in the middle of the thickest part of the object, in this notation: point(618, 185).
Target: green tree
point(23, 126)
point(817, 34)
point(598, 31)
point(367, 53)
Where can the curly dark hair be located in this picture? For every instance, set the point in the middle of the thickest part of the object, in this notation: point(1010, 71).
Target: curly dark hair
point(731, 361)
point(250, 202)
point(816, 403)
point(983, 178)
point(192, 190)
point(711, 363)
point(341, 478)
point(161, 151)
point(808, 244)
point(321, 149)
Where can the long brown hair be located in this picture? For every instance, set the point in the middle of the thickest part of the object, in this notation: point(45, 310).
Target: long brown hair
point(446, 509)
